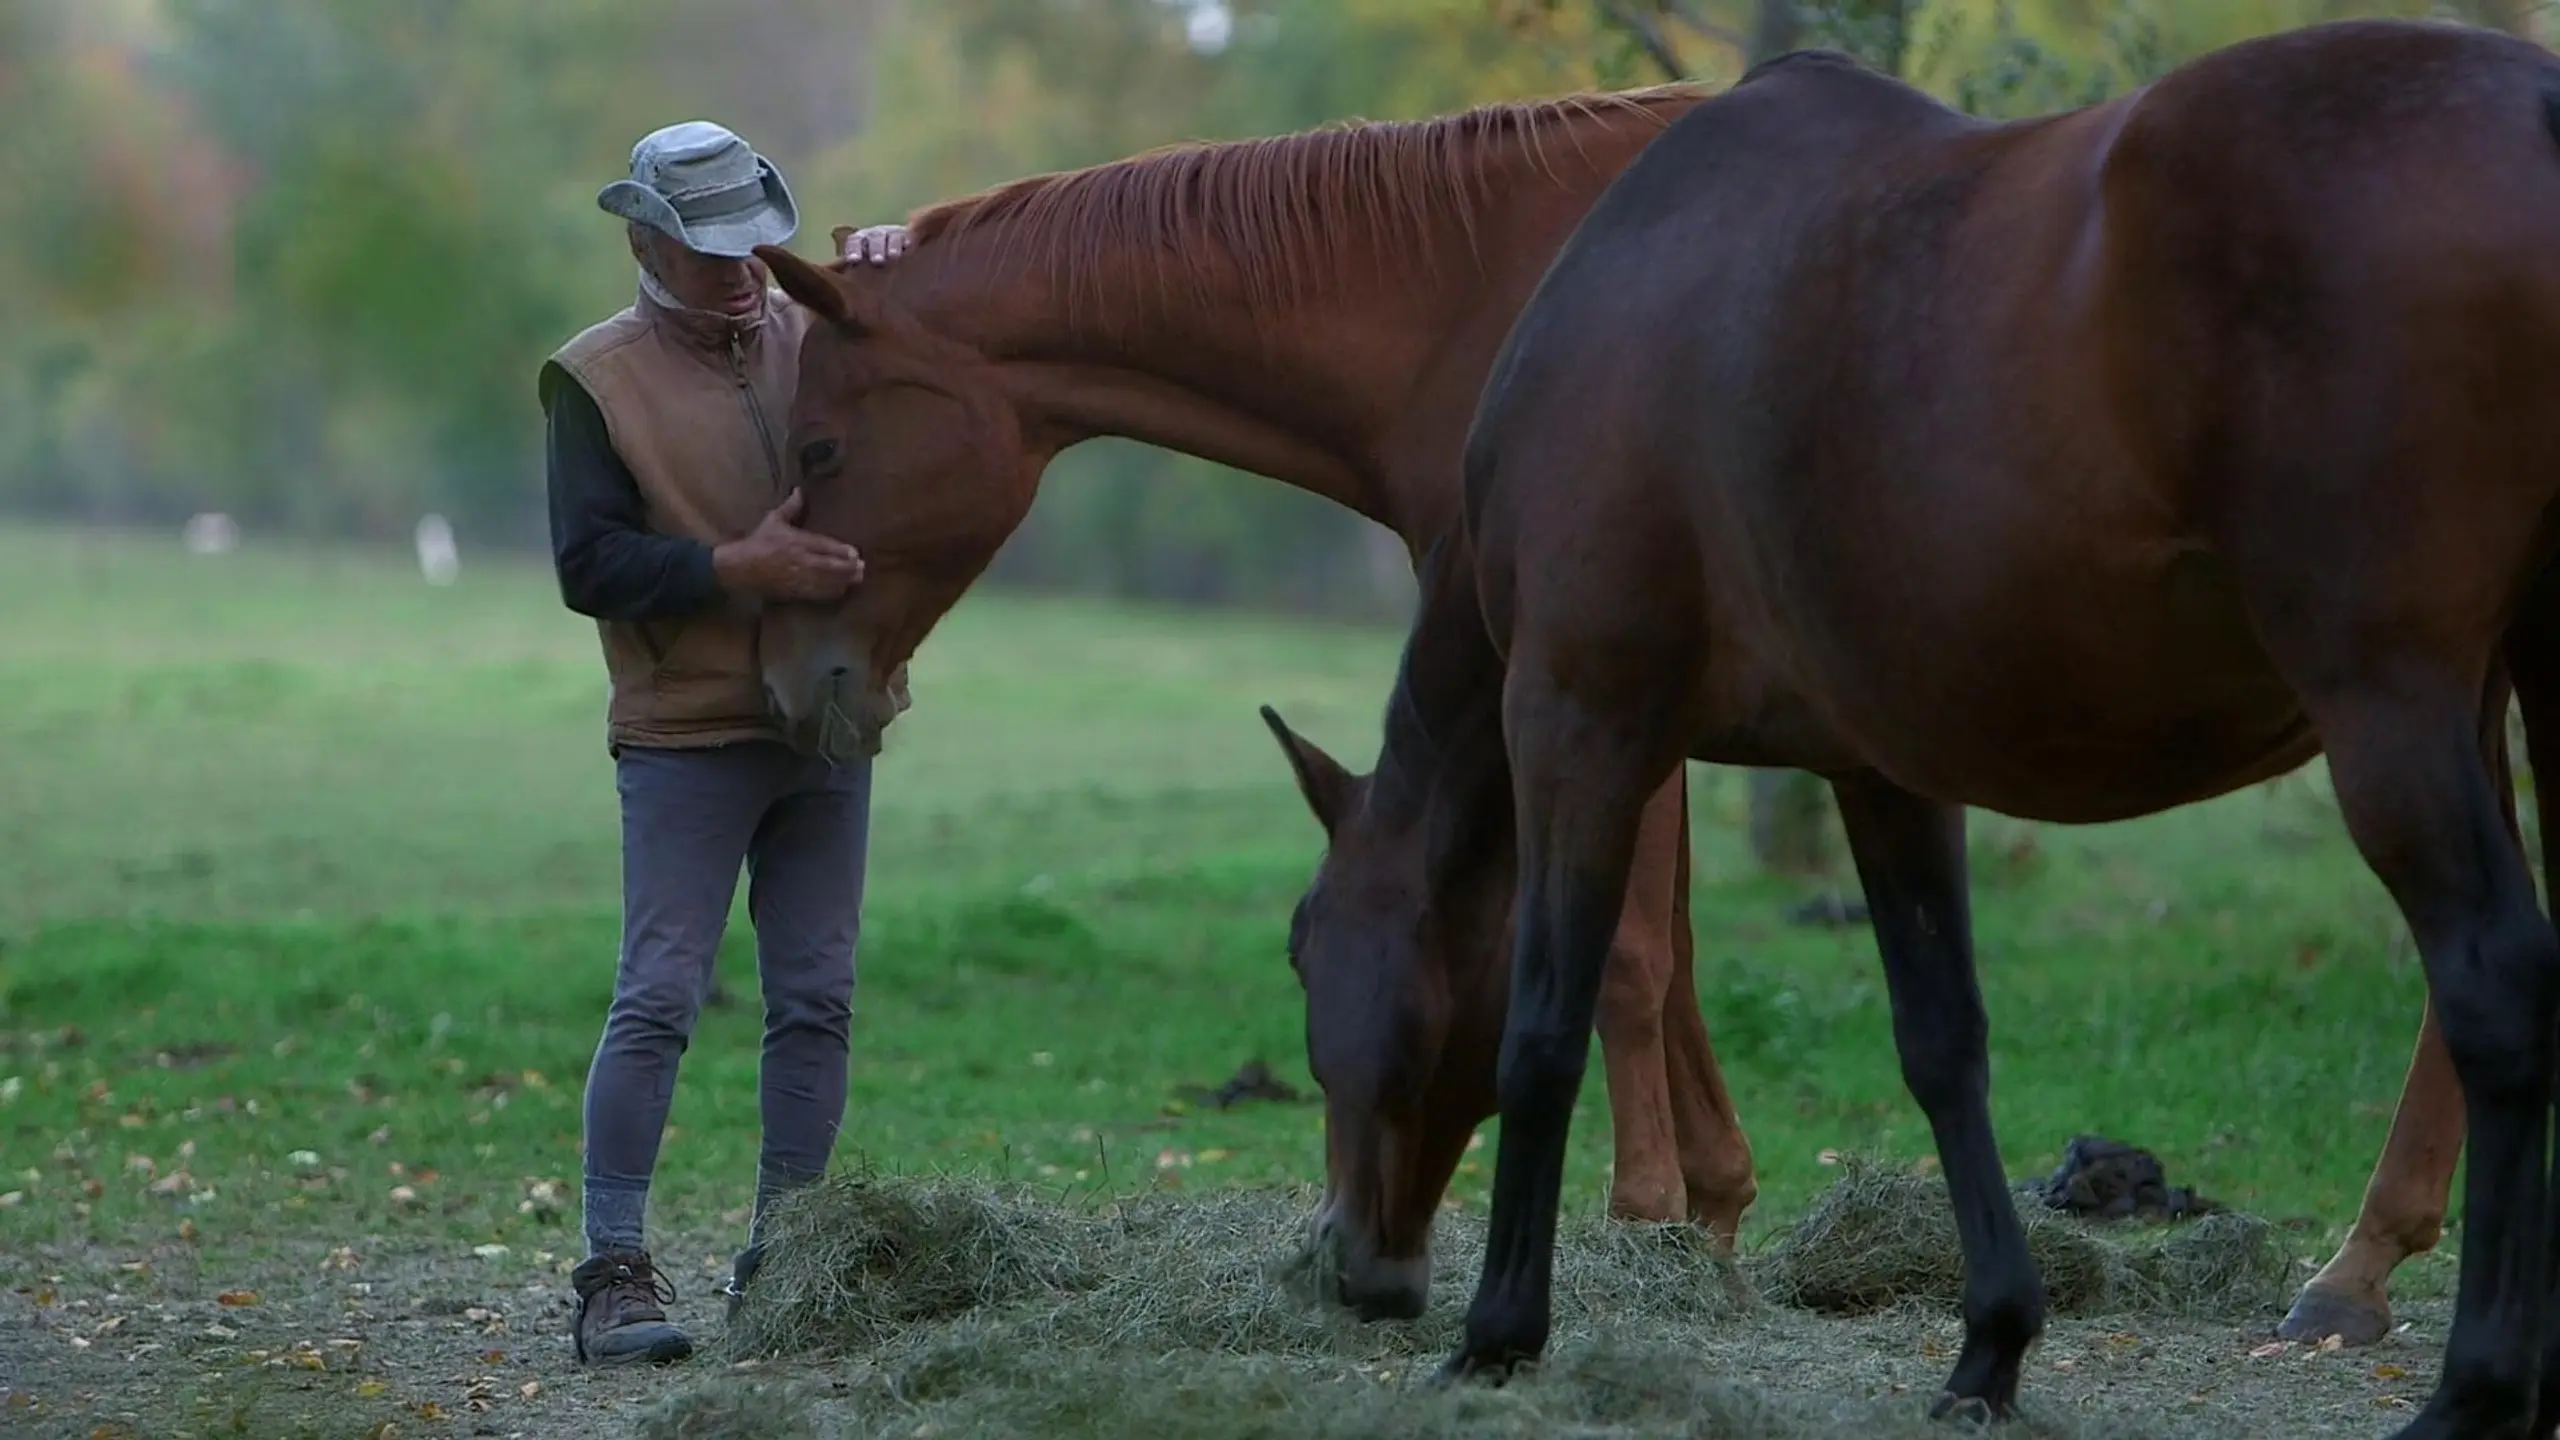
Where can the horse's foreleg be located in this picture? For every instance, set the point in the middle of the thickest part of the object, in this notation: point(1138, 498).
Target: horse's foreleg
point(2423, 809)
point(1910, 857)
point(1581, 779)
point(1715, 1156)
point(1645, 1183)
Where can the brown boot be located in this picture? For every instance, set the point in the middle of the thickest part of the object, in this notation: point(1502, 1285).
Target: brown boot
point(621, 1315)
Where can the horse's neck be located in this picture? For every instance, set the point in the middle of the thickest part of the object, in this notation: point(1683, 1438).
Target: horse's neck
point(1443, 756)
point(1290, 395)
point(1315, 362)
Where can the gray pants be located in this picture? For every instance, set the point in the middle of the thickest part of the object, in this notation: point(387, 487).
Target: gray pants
point(690, 819)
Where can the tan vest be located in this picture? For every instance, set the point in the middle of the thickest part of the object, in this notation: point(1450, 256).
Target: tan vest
point(696, 408)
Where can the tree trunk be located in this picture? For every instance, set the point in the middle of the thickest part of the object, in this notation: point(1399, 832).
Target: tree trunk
point(1790, 822)
point(1776, 30)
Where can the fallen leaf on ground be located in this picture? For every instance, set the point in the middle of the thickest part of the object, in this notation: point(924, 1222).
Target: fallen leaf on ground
point(236, 1298)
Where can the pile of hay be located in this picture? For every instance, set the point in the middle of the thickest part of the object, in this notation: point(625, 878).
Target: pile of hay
point(858, 1258)
point(954, 1308)
point(1881, 1237)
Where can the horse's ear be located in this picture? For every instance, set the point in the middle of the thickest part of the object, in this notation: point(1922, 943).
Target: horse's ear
point(1321, 779)
point(815, 286)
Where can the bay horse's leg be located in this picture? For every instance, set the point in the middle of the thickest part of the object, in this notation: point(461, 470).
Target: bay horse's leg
point(2420, 803)
point(1910, 856)
point(1646, 1183)
point(2412, 1182)
point(2404, 1204)
point(2533, 663)
point(1580, 781)
point(1715, 1156)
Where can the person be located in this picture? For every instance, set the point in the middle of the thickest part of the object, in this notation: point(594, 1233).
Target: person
point(670, 523)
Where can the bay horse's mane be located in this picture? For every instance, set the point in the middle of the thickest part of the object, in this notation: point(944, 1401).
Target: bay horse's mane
point(1277, 213)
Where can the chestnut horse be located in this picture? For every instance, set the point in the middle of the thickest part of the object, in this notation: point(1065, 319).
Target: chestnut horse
point(1348, 369)
point(2072, 469)
point(1320, 308)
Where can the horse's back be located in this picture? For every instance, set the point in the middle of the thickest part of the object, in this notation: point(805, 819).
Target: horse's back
point(1979, 452)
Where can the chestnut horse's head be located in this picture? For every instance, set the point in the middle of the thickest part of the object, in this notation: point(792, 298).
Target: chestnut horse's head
point(1399, 944)
point(904, 444)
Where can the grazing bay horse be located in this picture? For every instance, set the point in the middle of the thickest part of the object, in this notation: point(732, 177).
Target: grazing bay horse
point(2073, 469)
point(1321, 308)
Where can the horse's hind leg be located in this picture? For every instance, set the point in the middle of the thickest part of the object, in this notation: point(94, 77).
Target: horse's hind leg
point(1910, 857)
point(2404, 1204)
point(2412, 1183)
point(1581, 776)
point(2421, 805)
point(2533, 663)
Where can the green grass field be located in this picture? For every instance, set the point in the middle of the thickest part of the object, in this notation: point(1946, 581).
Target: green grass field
point(308, 916)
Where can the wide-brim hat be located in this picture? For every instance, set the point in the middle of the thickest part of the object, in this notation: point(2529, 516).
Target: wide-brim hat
point(702, 185)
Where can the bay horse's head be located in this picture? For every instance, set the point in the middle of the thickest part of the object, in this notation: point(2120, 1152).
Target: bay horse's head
point(905, 444)
point(1398, 944)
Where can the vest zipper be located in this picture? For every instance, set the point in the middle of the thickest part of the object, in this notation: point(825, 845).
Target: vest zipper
point(755, 412)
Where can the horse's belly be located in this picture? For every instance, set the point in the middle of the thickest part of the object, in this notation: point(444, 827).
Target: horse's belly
point(2117, 768)
point(2120, 700)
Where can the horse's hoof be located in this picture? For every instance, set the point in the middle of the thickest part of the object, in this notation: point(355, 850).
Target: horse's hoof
point(1467, 1367)
point(2318, 1314)
point(1963, 1410)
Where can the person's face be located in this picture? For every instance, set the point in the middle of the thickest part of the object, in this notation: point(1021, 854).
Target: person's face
point(724, 286)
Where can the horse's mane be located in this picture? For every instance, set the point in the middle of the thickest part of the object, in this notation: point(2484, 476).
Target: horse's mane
point(1276, 213)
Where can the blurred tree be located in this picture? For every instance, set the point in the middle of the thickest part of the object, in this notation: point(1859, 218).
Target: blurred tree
point(297, 258)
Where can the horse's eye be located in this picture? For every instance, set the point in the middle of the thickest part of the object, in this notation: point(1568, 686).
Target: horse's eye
point(817, 455)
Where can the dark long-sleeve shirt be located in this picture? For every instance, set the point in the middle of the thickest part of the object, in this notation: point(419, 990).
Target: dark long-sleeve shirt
point(611, 566)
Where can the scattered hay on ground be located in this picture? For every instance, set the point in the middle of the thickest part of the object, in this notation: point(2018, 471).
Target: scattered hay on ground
point(967, 1308)
point(1879, 1237)
point(732, 1409)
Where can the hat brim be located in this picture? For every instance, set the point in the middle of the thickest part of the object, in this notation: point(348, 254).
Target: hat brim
point(734, 236)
